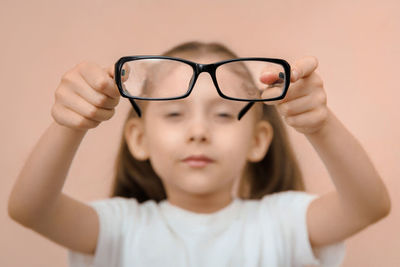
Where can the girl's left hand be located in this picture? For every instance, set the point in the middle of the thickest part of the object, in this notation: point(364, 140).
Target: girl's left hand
point(304, 106)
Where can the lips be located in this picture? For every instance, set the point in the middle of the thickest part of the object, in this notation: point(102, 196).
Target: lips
point(198, 160)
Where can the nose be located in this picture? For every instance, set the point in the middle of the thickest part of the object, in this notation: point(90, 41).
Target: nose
point(199, 125)
point(198, 129)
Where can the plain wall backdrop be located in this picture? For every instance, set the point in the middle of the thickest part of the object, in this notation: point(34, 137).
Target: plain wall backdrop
point(356, 43)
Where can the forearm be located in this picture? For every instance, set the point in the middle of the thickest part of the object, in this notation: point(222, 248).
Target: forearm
point(357, 182)
point(42, 177)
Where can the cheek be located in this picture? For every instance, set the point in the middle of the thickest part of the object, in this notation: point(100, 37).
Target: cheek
point(234, 144)
point(163, 141)
point(163, 153)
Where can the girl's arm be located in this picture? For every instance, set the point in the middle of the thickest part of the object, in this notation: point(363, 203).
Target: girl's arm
point(42, 177)
point(360, 198)
point(36, 200)
point(85, 97)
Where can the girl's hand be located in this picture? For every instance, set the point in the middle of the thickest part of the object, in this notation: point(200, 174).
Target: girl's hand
point(86, 96)
point(304, 106)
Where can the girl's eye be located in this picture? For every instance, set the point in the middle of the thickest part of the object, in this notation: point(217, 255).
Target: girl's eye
point(225, 115)
point(173, 114)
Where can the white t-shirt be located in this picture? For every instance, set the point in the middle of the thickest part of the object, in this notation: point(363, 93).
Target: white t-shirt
point(271, 231)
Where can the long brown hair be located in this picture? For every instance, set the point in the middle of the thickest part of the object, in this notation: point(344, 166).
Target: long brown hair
point(277, 171)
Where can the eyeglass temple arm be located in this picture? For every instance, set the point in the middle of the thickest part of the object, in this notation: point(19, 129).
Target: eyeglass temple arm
point(136, 107)
point(244, 110)
point(240, 115)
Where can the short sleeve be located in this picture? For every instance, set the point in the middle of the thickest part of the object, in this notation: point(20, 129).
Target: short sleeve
point(290, 208)
point(113, 214)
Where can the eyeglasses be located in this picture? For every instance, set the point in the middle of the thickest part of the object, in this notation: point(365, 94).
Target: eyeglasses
point(168, 78)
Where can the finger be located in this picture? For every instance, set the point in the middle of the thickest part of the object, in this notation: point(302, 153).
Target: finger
point(297, 106)
point(311, 118)
point(94, 97)
point(302, 87)
point(295, 90)
point(71, 118)
point(124, 75)
point(303, 67)
point(98, 79)
point(125, 72)
point(275, 80)
point(84, 108)
point(110, 70)
point(272, 92)
point(272, 73)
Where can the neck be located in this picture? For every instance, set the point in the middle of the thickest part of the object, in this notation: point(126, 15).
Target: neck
point(201, 203)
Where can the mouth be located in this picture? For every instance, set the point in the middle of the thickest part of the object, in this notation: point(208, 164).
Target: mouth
point(198, 160)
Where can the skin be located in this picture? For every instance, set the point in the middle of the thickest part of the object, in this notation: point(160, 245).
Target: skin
point(198, 128)
point(360, 197)
point(87, 95)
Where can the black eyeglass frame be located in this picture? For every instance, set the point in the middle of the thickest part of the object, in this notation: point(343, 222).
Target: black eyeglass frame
point(197, 69)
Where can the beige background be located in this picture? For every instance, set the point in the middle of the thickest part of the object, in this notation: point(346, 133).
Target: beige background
point(356, 42)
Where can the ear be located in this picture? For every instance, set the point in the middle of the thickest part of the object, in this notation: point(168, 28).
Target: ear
point(135, 138)
point(263, 134)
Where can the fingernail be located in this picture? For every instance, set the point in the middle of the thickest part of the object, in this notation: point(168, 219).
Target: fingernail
point(266, 73)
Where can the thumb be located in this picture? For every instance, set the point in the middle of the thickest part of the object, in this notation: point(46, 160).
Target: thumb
point(110, 71)
point(126, 71)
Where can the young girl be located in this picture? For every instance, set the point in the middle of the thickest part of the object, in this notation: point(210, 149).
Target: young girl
point(244, 206)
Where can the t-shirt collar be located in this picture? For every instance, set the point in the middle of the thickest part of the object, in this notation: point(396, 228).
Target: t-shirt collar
point(182, 218)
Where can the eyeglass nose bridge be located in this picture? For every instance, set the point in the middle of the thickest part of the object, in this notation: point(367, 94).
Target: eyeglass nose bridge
point(211, 69)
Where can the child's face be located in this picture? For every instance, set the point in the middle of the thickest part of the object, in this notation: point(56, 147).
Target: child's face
point(173, 130)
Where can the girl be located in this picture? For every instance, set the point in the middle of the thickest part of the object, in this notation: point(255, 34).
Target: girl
point(245, 207)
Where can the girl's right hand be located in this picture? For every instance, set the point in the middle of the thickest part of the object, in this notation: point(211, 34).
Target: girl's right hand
point(86, 96)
